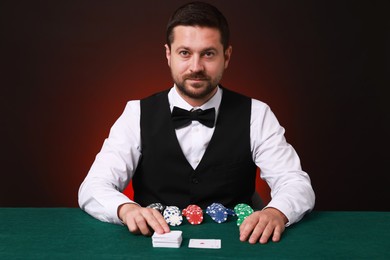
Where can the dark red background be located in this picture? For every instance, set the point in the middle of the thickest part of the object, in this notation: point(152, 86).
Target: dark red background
point(69, 67)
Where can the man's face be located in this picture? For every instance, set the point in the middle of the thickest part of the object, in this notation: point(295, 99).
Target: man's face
point(197, 61)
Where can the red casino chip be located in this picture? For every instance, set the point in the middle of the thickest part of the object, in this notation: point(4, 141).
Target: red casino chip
point(195, 219)
point(194, 214)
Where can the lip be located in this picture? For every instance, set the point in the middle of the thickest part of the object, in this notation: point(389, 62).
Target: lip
point(201, 79)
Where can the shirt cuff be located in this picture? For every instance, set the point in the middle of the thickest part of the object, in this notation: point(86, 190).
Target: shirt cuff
point(112, 208)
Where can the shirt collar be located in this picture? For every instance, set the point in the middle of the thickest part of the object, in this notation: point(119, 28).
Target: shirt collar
point(176, 100)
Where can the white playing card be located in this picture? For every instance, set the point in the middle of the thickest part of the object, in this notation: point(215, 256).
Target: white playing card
point(174, 235)
point(169, 245)
point(205, 243)
point(172, 239)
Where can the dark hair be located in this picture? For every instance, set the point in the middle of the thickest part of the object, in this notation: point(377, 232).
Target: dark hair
point(199, 14)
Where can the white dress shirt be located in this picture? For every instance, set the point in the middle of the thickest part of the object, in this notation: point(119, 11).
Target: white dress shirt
point(291, 192)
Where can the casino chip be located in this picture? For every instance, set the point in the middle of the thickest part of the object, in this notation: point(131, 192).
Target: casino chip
point(230, 212)
point(194, 214)
point(173, 216)
point(218, 212)
point(242, 211)
point(158, 206)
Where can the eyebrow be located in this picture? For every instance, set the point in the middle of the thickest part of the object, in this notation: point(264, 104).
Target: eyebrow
point(203, 50)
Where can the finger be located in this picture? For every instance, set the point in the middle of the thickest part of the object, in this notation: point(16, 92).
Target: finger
point(142, 225)
point(132, 226)
point(257, 232)
point(156, 221)
point(278, 233)
point(162, 221)
point(247, 227)
point(244, 232)
point(267, 232)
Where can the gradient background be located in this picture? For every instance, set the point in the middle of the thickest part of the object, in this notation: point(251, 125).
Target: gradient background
point(69, 67)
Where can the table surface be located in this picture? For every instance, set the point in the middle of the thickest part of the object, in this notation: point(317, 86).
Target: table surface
point(69, 233)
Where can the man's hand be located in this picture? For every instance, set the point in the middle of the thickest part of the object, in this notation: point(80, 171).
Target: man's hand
point(142, 220)
point(261, 225)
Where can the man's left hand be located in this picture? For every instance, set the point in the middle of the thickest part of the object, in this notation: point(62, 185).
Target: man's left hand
point(261, 225)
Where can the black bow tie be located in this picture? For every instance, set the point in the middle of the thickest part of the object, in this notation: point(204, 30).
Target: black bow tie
point(182, 117)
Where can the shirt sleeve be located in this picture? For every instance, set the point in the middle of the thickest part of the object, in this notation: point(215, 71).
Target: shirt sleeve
point(100, 194)
point(280, 167)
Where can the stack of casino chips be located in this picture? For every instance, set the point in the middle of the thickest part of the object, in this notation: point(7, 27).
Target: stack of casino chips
point(218, 212)
point(242, 211)
point(158, 206)
point(194, 214)
point(173, 216)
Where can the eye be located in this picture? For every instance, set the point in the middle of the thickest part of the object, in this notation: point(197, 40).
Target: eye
point(184, 53)
point(209, 54)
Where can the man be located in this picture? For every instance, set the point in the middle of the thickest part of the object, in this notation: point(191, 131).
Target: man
point(179, 162)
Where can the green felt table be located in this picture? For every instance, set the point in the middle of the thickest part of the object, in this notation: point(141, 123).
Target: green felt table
point(69, 233)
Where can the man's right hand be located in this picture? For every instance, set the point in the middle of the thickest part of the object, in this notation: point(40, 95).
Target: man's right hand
point(142, 220)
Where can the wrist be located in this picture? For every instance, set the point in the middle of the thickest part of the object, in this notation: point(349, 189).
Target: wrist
point(279, 213)
point(123, 209)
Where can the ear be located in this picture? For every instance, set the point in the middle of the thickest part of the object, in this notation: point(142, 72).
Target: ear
point(168, 54)
point(228, 54)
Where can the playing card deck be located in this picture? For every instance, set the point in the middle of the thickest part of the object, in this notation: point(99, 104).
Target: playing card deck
point(172, 239)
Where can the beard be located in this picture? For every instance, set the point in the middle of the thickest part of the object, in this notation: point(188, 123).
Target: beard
point(199, 90)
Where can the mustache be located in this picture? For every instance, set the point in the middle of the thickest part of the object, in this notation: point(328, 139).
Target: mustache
point(197, 75)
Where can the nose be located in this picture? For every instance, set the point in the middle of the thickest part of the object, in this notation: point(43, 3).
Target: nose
point(196, 64)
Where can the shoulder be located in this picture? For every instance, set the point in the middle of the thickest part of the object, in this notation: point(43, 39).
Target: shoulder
point(155, 97)
point(132, 107)
point(259, 106)
point(256, 104)
point(262, 116)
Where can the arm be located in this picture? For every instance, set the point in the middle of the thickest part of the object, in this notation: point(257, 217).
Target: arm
point(291, 191)
point(101, 195)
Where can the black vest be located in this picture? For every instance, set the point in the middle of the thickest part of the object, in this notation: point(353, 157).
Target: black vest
point(226, 174)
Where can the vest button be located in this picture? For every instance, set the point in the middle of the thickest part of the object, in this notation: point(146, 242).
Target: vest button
point(195, 180)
